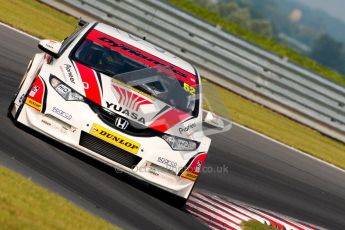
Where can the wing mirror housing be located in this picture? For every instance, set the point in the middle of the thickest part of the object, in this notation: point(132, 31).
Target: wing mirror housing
point(50, 47)
point(82, 22)
point(213, 120)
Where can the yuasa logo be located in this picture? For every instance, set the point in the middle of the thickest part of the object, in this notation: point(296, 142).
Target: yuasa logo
point(126, 112)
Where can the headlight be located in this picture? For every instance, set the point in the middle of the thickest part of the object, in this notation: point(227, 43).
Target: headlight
point(65, 91)
point(180, 144)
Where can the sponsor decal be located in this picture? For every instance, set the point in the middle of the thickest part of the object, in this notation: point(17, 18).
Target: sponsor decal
point(35, 97)
point(193, 169)
point(170, 164)
point(198, 166)
point(190, 176)
point(187, 129)
point(51, 44)
point(133, 89)
point(55, 124)
point(69, 73)
point(130, 99)
point(34, 90)
point(121, 123)
point(85, 85)
point(114, 138)
point(21, 98)
point(34, 104)
point(141, 56)
point(153, 171)
point(62, 113)
point(124, 111)
point(46, 122)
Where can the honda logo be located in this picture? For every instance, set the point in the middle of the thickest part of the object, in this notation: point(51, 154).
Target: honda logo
point(121, 123)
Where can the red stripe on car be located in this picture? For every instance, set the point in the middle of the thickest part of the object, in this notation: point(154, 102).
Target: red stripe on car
point(119, 92)
point(89, 80)
point(169, 120)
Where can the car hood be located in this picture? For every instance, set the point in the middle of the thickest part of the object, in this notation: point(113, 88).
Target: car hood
point(127, 101)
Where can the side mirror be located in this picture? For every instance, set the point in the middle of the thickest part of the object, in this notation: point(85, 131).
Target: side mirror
point(50, 47)
point(213, 120)
point(82, 23)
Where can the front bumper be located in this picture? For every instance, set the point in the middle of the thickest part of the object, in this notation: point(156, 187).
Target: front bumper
point(77, 134)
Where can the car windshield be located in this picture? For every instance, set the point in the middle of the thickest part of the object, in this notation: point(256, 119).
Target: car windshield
point(161, 81)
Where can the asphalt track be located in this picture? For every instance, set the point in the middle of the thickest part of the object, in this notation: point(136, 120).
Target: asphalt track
point(256, 170)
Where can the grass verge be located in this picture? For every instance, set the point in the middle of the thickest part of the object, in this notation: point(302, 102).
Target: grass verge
point(266, 43)
point(37, 19)
point(255, 225)
point(25, 205)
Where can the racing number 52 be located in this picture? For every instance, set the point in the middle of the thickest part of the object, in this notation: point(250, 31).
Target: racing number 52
point(188, 88)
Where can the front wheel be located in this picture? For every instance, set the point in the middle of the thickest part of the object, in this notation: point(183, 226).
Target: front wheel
point(10, 107)
point(179, 202)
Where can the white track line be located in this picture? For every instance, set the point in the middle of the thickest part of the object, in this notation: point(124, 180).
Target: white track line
point(273, 218)
point(290, 147)
point(213, 217)
point(216, 211)
point(19, 31)
point(222, 209)
point(240, 210)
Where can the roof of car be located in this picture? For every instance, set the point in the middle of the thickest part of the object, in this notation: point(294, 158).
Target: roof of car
point(145, 46)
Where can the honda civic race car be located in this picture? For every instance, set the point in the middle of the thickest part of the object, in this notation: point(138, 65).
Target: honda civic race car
point(120, 100)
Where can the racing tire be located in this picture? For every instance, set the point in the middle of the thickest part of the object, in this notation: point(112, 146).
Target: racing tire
point(179, 202)
point(10, 107)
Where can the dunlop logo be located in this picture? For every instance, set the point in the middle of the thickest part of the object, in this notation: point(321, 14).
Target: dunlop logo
point(114, 138)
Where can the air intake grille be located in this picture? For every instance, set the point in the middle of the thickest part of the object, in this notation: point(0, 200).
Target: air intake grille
point(108, 150)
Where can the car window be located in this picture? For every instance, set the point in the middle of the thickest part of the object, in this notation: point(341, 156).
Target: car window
point(157, 81)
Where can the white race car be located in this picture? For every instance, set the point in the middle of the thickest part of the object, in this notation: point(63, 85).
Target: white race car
point(120, 100)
